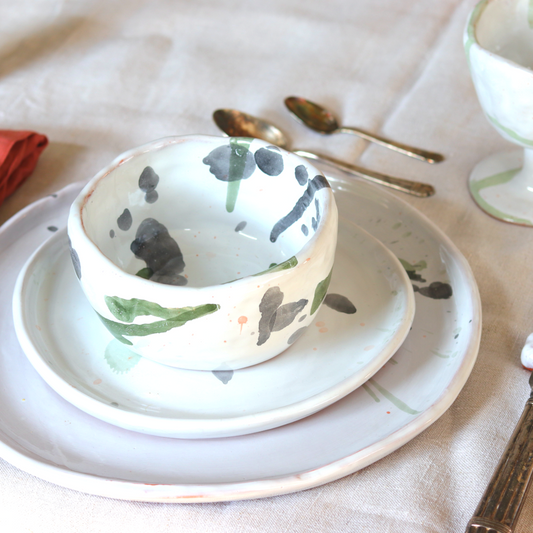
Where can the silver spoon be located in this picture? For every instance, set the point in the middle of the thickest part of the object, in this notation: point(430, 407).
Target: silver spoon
point(238, 124)
point(321, 120)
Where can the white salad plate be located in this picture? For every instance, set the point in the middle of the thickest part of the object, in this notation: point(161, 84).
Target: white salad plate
point(47, 436)
point(366, 316)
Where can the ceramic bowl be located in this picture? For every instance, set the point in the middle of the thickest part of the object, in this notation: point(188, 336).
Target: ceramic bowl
point(205, 253)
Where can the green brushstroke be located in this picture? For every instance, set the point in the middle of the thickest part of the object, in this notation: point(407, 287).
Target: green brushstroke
point(371, 393)
point(510, 132)
point(530, 14)
point(181, 316)
point(275, 267)
point(498, 179)
point(320, 293)
point(129, 310)
point(471, 30)
point(444, 356)
point(119, 358)
point(397, 225)
point(395, 401)
point(145, 273)
point(421, 265)
point(237, 162)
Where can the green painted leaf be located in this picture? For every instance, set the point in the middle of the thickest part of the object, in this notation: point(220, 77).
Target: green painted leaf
point(145, 273)
point(119, 330)
point(237, 163)
point(128, 310)
point(421, 265)
point(320, 293)
point(274, 267)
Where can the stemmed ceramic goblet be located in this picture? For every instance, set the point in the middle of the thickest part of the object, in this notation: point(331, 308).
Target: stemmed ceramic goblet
point(498, 41)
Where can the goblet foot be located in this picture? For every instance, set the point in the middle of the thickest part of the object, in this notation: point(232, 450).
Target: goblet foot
point(502, 185)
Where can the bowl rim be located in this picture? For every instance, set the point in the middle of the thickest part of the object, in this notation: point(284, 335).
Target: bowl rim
point(75, 219)
point(471, 41)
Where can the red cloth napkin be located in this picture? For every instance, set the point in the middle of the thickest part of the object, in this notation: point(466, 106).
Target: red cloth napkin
point(19, 152)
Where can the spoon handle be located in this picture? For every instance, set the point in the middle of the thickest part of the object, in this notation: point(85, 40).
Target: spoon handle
point(417, 153)
point(410, 187)
point(501, 504)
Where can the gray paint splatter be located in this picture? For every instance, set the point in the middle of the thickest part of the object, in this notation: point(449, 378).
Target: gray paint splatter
point(315, 221)
point(305, 230)
point(218, 161)
point(301, 174)
point(151, 197)
point(436, 290)
point(340, 303)
point(269, 161)
point(268, 306)
point(161, 253)
point(317, 183)
point(240, 226)
point(274, 316)
point(112, 233)
point(148, 180)
point(223, 375)
point(296, 335)
point(75, 260)
point(53, 229)
point(414, 276)
point(125, 220)
point(302, 318)
point(286, 314)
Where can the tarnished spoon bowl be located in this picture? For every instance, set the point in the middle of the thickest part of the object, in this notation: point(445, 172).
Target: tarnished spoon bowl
point(323, 121)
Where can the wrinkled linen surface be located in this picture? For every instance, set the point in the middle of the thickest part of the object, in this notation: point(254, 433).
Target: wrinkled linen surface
point(99, 77)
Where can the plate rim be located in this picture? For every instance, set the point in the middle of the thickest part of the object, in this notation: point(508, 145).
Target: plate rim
point(191, 428)
point(138, 491)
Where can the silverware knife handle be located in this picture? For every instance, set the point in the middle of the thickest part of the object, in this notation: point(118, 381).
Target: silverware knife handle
point(414, 188)
point(501, 503)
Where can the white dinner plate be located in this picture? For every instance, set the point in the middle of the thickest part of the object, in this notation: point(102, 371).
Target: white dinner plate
point(366, 316)
point(45, 435)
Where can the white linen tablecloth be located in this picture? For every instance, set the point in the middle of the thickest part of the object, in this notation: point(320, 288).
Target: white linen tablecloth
point(99, 77)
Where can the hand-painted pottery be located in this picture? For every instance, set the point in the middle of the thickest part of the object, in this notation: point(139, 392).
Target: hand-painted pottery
point(498, 41)
point(205, 253)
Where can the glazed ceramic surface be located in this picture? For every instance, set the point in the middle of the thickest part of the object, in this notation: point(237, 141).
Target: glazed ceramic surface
point(203, 252)
point(43, 434)
point(367, 315)
point(499, 46)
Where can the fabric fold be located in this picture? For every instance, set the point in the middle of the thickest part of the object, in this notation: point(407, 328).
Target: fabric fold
point(19, 153)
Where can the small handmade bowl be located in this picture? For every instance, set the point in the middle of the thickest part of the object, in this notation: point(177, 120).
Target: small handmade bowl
point(205, 253)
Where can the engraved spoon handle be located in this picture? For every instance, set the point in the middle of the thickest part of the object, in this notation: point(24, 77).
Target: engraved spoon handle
point(410, 187)
point(417, 153)
point(501, 503)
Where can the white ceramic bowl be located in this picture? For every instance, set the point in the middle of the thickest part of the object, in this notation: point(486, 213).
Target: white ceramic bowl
point(205, 253)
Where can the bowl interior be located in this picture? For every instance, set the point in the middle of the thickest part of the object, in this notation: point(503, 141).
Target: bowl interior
point(505, 28)
point(205, 211)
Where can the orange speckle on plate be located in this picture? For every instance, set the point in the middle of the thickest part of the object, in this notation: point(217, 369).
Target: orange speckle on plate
point(367, 348)
point(388, 412)
point(185, 276)
point(97, 381)
point(320, 324)
point(242, 320)
point(38, 327)
point(323, 330)
point(314, 349)
point(362, 324)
